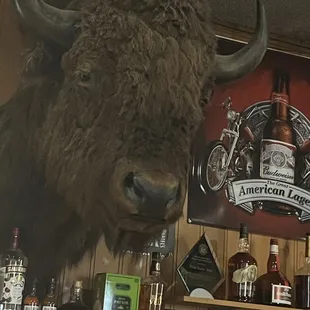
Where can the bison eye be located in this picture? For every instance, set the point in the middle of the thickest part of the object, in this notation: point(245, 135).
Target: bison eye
point(84, 76)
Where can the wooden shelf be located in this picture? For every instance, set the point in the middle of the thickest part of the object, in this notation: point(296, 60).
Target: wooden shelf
point(224, 304)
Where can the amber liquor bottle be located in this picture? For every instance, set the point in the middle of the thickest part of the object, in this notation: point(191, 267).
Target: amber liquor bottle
point(31, 302)
point(273, 288)
point(302, 281)
point(49, 301)
point(13, 266)
point(153, 287)
point(242, 270)
point(76, 298)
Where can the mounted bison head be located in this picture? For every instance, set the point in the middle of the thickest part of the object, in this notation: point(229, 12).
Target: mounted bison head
point(106, 114)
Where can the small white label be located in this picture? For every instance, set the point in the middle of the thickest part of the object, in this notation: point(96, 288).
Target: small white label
point(281, 294)
point(49, 308)
point(31, 307)
point(277, 161)
point(274, 249)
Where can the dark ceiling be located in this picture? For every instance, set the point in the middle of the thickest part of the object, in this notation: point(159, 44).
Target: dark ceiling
point(289, 20)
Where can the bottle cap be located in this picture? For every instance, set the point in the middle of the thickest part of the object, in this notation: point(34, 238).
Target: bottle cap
point(273, 241)
point(15, 231)
point(243, 231)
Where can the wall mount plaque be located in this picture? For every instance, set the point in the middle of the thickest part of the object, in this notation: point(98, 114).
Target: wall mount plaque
point(200, 268)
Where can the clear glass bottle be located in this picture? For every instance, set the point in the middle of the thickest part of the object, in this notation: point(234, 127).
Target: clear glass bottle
point(31, 302)
point(76, 298)
point(242, 270)
point(302, 280)
point(153, 287)
point(13, 266)
point(49, 301)
point(273, 288)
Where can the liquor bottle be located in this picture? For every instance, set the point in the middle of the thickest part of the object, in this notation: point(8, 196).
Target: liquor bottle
point(242, 270)
point(76, 298)
point(31, 302)
point(273, 288)
point(278, 144)
point(153, 287)
point(302, 281)
point(49, 301)
point(13, 266)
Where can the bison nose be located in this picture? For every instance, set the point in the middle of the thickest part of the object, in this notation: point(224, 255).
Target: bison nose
point(153, 192)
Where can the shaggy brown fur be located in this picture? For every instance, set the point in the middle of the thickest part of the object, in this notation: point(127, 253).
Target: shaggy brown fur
point(127, 93)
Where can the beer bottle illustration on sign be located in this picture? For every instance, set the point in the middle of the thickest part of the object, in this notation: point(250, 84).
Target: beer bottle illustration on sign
point(278, 145)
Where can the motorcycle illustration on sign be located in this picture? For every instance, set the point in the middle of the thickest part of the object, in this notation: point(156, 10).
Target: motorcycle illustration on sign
point(233, 162)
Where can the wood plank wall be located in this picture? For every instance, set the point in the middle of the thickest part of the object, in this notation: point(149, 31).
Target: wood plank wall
point(12, 43)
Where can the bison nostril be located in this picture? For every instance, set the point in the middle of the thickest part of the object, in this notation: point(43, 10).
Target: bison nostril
point(132, 190)
point(151, 191)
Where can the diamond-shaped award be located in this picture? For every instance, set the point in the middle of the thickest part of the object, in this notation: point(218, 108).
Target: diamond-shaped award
point(200, 269)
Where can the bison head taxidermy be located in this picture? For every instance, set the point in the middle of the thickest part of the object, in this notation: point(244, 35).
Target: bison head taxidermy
point(96, 140)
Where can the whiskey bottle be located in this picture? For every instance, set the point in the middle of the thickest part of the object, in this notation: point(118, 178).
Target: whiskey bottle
point(278, 144)
point(49, 301)
point(13, 266)
point(31, 302)
point(153, 287)
point(273, 288)
point(302, 281)
point(76, 298)
point(242, 270)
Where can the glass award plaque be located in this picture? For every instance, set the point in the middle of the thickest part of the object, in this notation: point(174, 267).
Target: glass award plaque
point(200, 268)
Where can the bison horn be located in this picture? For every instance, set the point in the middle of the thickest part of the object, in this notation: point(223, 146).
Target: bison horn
point(50, 22)
point(229, 68)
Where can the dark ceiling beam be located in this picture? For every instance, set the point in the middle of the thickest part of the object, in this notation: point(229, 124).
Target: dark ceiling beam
point(276, 43)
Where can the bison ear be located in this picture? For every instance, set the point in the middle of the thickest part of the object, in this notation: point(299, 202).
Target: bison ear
point(229, 68)
point(49, 22)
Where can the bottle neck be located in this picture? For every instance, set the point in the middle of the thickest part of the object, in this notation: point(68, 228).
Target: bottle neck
point(14, 244)
point(280, 106)
point(273, 263)
point(155, 268)
point(76, 295)
point(33, 291)
point(243, 245)
point(51, 291)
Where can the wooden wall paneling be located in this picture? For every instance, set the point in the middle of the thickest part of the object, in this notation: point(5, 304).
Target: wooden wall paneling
point(260, 250)
point(83, 271)
point(187, 236)
point(287, 258)
point(299, 254)
point(105, 261)
point(134, 264)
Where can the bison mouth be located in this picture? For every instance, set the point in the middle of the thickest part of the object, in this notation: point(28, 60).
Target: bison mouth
point(142, 224)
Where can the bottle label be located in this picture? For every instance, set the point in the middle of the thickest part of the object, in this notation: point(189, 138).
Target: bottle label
point(277, 160)
point(279, 97)
point(281, 294)
point(274, 249)
point(156, 294)
point(13, 284)
point(245, 278)
point(31, 307)
point(49, 308)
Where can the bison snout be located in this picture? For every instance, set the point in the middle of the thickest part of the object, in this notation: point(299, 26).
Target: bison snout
point(152, 192)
